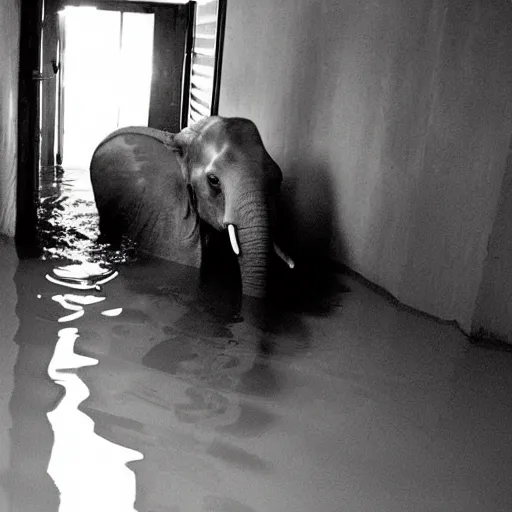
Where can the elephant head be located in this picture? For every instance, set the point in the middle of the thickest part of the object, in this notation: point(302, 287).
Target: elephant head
point(234, 184)
point(155, 186)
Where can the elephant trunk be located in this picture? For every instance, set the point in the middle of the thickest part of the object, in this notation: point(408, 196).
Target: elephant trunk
point(254, 259)
point(254, 243)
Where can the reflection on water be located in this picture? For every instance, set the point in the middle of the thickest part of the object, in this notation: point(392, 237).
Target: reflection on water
point(138, 380)
point(8, 357)
point(50, 434)
point(99, 479)
point(152, 397)
point(86, 276)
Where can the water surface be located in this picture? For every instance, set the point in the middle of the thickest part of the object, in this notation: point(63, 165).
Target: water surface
point(138, 369)
point(127, 384)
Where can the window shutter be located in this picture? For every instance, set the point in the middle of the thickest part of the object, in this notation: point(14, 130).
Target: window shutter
point(205, 68)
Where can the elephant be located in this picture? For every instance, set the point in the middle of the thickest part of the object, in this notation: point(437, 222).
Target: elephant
point(159, 188)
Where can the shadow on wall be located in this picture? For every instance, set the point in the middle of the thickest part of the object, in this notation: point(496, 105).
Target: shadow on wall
point(307, 215)
point(307, 212)
point(310, 287)
point(308, 208)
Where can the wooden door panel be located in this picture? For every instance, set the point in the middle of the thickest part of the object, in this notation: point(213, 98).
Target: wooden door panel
point(169, 45)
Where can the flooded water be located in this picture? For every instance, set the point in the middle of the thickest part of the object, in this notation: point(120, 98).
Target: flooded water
point(133, 366)
point(126, 385)
point(68, 221)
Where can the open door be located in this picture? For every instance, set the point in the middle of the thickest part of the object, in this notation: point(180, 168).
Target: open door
point(109, 64)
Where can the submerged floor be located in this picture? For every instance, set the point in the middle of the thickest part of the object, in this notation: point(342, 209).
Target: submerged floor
point(120, 392)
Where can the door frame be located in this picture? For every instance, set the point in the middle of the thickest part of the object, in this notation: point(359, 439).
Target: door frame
point(219, 51)
point(28, 127)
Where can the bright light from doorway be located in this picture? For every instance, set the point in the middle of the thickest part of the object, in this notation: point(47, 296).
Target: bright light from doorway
point(107, 77)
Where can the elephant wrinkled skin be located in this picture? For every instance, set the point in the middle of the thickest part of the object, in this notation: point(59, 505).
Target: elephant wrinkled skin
point(155, 187)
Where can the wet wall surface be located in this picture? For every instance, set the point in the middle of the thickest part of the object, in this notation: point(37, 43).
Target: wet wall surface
point(123, 388)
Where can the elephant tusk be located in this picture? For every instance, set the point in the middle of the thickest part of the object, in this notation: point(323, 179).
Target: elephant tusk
point(233, 239)
point(284, 257)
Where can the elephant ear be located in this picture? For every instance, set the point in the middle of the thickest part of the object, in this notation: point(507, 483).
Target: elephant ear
point(183, 144)
point(181, 140)
point(140, 192)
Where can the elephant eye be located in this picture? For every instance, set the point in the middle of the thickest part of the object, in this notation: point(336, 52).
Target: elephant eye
point(213, 180)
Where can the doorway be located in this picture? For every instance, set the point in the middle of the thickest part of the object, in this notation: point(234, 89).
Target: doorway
point(107, 64)
point(90, 66)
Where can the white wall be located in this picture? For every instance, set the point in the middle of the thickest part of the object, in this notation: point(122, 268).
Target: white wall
point(9, 61)
point(391, 121)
